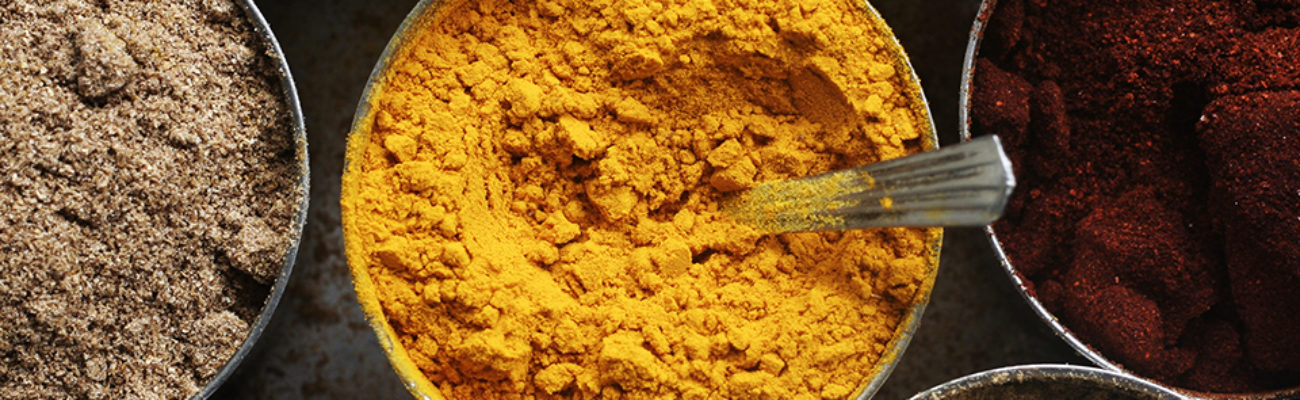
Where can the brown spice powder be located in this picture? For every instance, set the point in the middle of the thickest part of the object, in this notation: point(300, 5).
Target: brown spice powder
point(148, 193)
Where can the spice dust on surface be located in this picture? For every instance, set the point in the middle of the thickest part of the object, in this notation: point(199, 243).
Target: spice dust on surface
point(149, 187)
point(531, 202)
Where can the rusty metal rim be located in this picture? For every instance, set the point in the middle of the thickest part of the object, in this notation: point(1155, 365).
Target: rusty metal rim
point(986, 10)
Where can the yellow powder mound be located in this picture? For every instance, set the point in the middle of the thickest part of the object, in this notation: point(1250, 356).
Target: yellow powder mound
point(534, 194)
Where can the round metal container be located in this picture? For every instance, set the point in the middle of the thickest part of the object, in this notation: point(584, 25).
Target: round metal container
point(987, 8)
point(290, 93)
point(1062, 380)
point(420, 386)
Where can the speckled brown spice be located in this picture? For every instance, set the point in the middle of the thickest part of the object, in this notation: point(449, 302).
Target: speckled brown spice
point(148, 189)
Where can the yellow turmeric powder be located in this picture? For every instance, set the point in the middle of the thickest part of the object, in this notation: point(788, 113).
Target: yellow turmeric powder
point(532, 197)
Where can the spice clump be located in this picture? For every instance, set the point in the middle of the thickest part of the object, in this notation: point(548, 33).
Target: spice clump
point(1158, 148)
point(533, 198)
point(148, 191)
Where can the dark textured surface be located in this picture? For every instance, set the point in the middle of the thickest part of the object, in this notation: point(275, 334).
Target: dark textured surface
point(320, 347)
point(976, 320)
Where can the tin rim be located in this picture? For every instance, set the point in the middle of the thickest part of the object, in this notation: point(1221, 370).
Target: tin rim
point(421, 388)
point(290, 93)
point(987, 7)
point(1108, 381)
point(906, 330)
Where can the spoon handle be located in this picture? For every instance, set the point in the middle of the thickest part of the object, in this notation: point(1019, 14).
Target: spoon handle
point(961, 185)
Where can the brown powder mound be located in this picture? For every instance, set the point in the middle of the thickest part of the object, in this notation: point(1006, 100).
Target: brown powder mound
point(148, 182)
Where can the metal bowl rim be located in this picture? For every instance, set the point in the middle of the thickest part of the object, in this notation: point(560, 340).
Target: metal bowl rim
point(906, 329)
point(290, 93)
point(1032, 372)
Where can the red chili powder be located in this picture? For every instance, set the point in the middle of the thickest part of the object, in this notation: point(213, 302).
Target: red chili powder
point(1157, 143)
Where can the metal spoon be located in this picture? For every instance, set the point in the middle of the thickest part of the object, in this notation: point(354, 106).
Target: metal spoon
point(961, 185)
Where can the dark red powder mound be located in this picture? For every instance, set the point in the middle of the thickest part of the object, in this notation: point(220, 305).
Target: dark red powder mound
point(1157, 146)
point(1246, 139)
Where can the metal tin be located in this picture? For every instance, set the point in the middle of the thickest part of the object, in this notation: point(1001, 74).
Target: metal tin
point(987, 7)
point(1002, 382)
point(290, 93)
point(420, 386)
point(412, 379)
